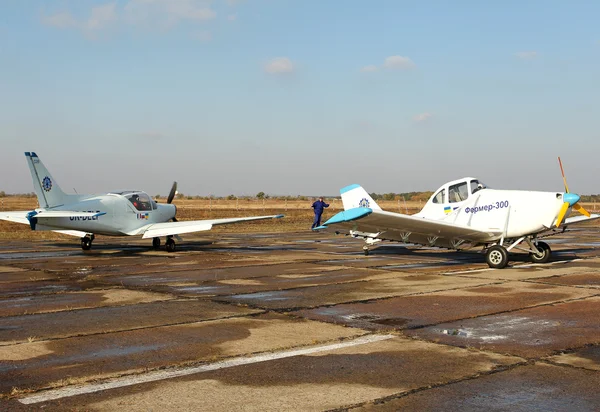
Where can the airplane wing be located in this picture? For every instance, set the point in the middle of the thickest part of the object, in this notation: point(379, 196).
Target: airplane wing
point(25, 215)
point(580, 219)
point(189, 226)
point(403, 228)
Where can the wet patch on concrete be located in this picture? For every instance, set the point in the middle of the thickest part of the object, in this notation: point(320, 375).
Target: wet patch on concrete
point(277, 282)
point(530, 333)
point(216, 274)
point(110, 319)
point(433, 308)
point(527, 388)
point(75, 300)
point(37, 288)
point(350, 292)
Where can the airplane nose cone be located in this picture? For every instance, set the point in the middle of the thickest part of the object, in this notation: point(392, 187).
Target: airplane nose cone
point(571, 198)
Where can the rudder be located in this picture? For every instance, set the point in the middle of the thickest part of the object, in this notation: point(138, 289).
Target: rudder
point(356, 196)
point(48, 191)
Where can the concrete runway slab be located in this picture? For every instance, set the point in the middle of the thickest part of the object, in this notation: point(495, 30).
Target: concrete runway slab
point(530, 333)
point(351, 292)
point(41, 364)
point(155, 276)
point(528, 388)
point(439, 307)
point(109, 319)
point(320, 381)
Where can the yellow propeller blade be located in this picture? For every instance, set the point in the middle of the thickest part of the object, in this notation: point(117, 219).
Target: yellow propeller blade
point(563, 175)
point(562, 213)
point(581, 210)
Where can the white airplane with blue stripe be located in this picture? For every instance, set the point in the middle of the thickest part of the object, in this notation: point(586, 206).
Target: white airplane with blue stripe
point(465, 214)
point(120, 213)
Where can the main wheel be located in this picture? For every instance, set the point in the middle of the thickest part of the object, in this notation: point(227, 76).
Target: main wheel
point(156, 242)
point(170, 245)
point(496, 257)
point(86, 243)
point(366, 250)
point(546, 253)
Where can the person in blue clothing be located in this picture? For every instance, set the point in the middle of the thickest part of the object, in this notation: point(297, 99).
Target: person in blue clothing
point(319, 205)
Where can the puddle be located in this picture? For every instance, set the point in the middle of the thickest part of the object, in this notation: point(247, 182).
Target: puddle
point(198, 289)
point(264, 296)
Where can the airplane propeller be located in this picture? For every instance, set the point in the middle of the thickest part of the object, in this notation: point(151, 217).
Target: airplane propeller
point(172, 193)
point(571, 200)
point(171, 196)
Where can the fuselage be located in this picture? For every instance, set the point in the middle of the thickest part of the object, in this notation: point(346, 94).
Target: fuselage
point(125, 213)
point(515, 213)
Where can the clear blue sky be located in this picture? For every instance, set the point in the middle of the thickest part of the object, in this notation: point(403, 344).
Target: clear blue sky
point(299, 97)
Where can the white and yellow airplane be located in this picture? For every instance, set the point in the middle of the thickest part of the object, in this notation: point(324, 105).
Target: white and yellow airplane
point(463, 214)
point(120, 213)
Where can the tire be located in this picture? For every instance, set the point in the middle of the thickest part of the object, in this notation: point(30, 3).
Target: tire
point(170, 245)
point(545, 249)
point(156, 242)
point(496, 257)
point(86, 243)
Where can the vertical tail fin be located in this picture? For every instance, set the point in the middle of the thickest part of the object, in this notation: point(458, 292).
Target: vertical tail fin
point(48, 191)
point(355, 196)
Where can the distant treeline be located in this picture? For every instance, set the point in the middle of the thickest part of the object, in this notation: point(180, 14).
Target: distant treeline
point(407, 196)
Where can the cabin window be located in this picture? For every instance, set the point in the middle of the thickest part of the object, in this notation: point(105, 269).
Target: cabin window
point(141, 201)
point(439, 197)
point(476, 185)
point(458, 192)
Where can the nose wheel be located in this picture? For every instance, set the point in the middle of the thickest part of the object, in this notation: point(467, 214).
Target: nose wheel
point(170, 244)
point(544, 253)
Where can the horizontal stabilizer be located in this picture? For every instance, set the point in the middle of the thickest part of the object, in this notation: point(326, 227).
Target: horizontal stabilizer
point(17, 217)
point(26, 216)
point(66, 213)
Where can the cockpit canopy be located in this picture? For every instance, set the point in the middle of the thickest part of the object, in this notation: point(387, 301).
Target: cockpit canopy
point(458, 190)
point(140, 200)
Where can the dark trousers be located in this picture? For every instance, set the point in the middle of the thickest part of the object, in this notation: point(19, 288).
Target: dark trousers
point(317, 221)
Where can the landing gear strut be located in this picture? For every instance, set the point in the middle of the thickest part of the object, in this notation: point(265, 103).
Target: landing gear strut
point(170, 244)
point(156, 242)
point(86, 242)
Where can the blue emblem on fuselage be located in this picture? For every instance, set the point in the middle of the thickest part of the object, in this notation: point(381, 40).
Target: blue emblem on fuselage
point(364, 202)
point(47, 184)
